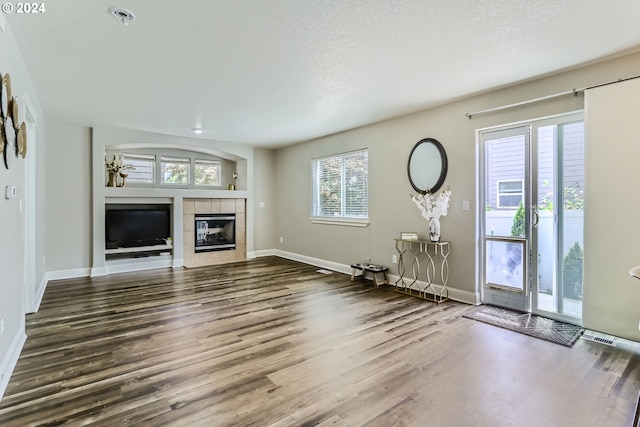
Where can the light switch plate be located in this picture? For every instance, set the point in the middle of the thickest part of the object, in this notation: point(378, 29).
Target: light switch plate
point(10, 192)
point(465, 205)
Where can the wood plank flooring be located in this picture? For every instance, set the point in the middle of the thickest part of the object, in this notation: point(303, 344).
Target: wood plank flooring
point(272, 342)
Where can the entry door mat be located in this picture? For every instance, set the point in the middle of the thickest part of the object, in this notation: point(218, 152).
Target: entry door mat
point(561, 333)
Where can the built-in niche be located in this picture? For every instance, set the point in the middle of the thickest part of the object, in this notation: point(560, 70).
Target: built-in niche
point(159, 167)
point(235, 159)
point(137, 225)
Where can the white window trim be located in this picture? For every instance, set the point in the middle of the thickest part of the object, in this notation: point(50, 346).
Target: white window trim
point(152, 158)
point(498, 193)
point(340, 220)
point(216, 163)
point(176, 160)
point(349, 222)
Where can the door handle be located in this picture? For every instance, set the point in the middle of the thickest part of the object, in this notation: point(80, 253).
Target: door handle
point(536, 218)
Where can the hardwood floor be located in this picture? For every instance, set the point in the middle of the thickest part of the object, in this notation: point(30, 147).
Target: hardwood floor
point(273, 342)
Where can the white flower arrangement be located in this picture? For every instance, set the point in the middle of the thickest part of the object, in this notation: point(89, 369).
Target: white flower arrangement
point(430, 208)
point(116, 164)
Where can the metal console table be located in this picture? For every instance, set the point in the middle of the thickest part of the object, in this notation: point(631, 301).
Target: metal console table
point(428, 262)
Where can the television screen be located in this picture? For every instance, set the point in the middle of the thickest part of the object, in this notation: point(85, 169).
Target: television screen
point(132, 226)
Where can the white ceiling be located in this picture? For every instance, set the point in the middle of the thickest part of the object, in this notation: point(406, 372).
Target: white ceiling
point(275, 72)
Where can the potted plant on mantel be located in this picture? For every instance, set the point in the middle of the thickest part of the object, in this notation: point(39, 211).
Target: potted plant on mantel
point(114, 167)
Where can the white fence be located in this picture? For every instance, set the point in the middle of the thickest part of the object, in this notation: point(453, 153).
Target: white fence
point(499, 223)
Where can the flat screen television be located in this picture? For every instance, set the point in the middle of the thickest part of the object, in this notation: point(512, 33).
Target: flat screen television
point(129, 226)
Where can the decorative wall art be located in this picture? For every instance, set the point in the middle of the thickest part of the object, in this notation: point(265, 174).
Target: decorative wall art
point(13, 134)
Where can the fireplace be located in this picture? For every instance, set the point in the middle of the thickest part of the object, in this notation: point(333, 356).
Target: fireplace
point(215, 232)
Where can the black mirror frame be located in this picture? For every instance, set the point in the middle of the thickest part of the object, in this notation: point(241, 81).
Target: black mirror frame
point(443, 168)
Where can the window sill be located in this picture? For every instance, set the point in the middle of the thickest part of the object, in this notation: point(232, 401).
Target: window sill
point(349, 222)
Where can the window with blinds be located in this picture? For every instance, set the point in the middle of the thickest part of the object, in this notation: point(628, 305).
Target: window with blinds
point(144, 166)
point(510, 193)
point(340, 187)
point(175, 170)
point(207, 172)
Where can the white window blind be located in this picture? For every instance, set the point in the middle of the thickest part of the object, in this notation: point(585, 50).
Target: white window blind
point(340, 187)
point(175, 170)
point(144, 166)
point(207, 172)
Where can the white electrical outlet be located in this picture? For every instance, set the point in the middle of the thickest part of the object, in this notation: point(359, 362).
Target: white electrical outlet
point(281, 239)
point(1, 326)
point(394, 259)
point(465, 205)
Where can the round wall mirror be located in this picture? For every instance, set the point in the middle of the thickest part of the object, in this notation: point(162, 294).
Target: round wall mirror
point(427, 166)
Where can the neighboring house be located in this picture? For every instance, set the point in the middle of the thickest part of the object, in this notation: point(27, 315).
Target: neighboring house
point(506, 177)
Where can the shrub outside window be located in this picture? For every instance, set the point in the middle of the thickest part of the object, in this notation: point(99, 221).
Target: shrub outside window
point(340, 186)
point(175, 170)
point(207, 172)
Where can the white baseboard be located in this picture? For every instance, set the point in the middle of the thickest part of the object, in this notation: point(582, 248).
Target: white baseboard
point(98, 271)
point(8, 364)
point(126, 267)
point(67, 274)
point(455, 294)
point(40, 292)
point(262, 253)
point(329, 265)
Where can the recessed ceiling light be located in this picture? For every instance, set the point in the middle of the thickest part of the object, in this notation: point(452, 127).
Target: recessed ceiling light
point(125, 15)
point(197, 130)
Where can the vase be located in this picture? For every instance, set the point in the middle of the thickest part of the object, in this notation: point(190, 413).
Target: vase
point(113, 179)
point(434, 229)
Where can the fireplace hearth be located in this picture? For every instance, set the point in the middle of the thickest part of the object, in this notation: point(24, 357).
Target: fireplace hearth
point(215, 232)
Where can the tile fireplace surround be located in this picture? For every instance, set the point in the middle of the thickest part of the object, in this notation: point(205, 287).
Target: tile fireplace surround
point(213, 206)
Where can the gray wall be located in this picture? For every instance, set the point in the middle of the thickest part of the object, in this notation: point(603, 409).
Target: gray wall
point(612, 209)
point(69, 199)
point(282, 182)
point(69, 194)
point(22, 267)
point(265, 199)
point(389, 144)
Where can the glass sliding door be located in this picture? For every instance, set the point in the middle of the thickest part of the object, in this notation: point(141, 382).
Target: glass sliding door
point(559, 232)
point(531, 215)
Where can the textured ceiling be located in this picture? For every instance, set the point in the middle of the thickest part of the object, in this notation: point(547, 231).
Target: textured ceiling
point(275, 72)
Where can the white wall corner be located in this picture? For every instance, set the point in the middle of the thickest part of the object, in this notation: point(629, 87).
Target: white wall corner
point(40, 292)
point(98, 271)
point(8, 364)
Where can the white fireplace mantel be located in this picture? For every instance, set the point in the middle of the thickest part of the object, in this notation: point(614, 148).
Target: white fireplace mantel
point(123, 138)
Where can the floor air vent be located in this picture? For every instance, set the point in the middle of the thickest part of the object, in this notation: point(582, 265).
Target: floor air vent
point(602, 339)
